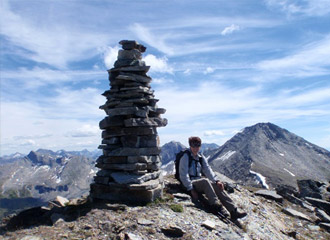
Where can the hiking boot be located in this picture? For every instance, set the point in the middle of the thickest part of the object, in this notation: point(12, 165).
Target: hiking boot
point(234, 215)
point(218, 209)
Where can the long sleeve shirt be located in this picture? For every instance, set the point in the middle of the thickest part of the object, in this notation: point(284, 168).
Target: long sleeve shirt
point(187, 174)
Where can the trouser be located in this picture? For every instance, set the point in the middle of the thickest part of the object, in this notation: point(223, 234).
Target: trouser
point(213, 193)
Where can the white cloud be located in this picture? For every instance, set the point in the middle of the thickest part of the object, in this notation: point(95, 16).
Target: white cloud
point(209, 70)
point(214, 133)
point(155, 40)
point(110, 56)
point(312, 60)
point(48, 42)
point(229, 30)
point(158, 64)
point(305, 7)
point(85, 130)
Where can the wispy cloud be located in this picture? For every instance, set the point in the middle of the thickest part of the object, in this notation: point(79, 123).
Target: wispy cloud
point(152, 39)
point(305, 7)
point(229, 30)
point(311, 60)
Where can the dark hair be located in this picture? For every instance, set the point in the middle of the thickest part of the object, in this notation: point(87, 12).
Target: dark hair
point(195, 142)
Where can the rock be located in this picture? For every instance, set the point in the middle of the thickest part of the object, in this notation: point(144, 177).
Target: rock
point(56, 217)
point(131, 236)
point(31, 238)
point(326, 226)
point(182, 196)
point(309, 188)
point(172, 231)
point(295, 213)
point(209, 224)
point(62, 201)
point(322, 216)
point(270, 195)
point(143, 221)
point(319, 203)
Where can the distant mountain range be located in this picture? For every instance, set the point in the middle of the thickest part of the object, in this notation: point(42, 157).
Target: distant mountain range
point(263, 155)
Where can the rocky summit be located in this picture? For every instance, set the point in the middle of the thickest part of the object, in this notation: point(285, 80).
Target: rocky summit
point(267, 155)
point(172, 217)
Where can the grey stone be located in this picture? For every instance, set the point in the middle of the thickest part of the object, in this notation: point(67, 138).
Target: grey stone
point(143, 69)
point(143, 221)
point(145, 122)
point(131, 236)
point(132, 44)
point(117, 132)
point(270, 195)
point(325, 205)
point(209, 224)
point(144, 159)
point(123, 167)
point(115, 121)
point(295, 213)
point(326, 226)
point(322, 215)
point(126, 178)
point(133, 77)
point(173, 231)
point(126, 195)
point(129, 54)
point(111, 141)
point(133, 151)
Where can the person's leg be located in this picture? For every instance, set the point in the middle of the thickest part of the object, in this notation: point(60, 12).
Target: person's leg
point(228, 203)
point(224, 198)
point(203, 185)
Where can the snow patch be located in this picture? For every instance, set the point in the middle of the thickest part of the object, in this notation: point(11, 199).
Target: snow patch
point(58, 180)
point(281, 154)
point(261, 179)
point(289, 172)
point(226, 155)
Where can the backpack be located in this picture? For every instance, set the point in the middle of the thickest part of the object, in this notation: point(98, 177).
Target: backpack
point(178, 157)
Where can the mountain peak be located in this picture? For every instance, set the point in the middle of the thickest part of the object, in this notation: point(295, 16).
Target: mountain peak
point(267, 150)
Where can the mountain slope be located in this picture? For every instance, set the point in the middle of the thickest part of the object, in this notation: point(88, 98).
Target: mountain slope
point(266, 150)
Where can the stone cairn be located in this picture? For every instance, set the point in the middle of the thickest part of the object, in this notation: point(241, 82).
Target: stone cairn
point(130, 163)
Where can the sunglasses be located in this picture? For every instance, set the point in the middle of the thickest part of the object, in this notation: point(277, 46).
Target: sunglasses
point(195, 145)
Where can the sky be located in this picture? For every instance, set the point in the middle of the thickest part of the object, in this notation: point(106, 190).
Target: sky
point(217, 67)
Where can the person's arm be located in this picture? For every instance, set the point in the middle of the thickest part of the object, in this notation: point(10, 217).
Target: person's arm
point(207, 170)
point(184, 172)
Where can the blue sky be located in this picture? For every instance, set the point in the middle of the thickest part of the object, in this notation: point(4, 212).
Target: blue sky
point(217, 67)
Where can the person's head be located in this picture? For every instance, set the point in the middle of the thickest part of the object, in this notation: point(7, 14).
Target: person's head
point(195, 144)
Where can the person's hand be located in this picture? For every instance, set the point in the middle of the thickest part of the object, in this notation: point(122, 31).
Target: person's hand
point(220, 185)
point(194, 194)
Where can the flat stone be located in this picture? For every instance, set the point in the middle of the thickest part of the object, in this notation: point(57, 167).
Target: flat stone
point(131, 236)
point(133, 77)
point(133, 151)
point(143, 69)
point(116, 121)
point(295, 213)
point(145, 122)
point(322, 215)
point(144, 159)
point(173, 231)
point(270, 195)
point(116, 132)
point(105, 192)
point(115, 160)
point(151, 184)
point(129, 54)
point(143, 221)
point(326, 226)
point(111, 141)
point(209, 224)
point(182, 196)
point(123, 167)
point(62, 201)
point(136, 141)
point(127, 178)
point(319, 203)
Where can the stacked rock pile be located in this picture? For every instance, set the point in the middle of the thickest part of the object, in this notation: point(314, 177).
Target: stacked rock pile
point(130, 164)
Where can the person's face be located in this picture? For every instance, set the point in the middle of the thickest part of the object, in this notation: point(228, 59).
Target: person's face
point(195, 149)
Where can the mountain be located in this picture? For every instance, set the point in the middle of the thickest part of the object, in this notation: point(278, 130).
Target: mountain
point(265, 154)
point(42, 175)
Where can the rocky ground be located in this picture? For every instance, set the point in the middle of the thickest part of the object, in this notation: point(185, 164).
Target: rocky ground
point(175, 216)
